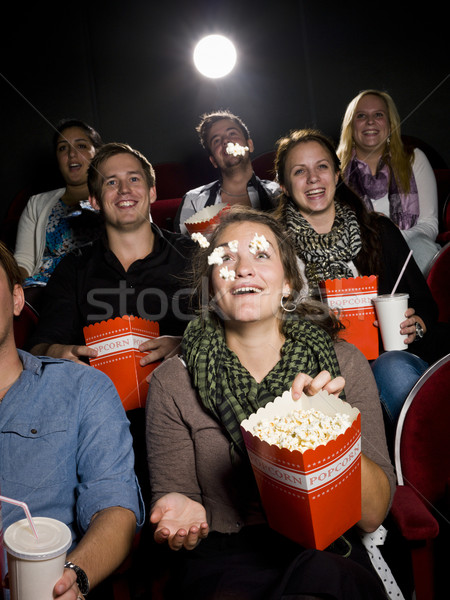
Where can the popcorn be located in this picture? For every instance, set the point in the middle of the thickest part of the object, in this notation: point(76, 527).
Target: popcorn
point(227, 274)
point(310, 487)
point(302, 429)
point(200, 238)
point(236, 149)
point(258, 243)
point(233, 246)
point(215, 258)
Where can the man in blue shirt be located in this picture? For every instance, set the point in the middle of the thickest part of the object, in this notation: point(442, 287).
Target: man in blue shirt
point(65, 450)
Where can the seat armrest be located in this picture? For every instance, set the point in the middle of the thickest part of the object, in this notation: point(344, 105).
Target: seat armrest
point(411, 515)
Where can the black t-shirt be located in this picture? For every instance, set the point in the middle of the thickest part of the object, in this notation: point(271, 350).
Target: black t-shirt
point(90, 285)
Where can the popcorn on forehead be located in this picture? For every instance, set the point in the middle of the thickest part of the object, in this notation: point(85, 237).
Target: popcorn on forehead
point(257, 244)
point(233, 246)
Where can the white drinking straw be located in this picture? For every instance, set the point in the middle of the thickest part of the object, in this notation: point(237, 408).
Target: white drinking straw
point(25, 508)
point(401, 272)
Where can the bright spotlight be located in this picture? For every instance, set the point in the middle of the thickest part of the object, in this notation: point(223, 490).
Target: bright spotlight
point(215, 56)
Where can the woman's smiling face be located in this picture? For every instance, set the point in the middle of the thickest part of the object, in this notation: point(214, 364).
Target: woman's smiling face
point(310, 178)
point(370, 124)
point(249, 282)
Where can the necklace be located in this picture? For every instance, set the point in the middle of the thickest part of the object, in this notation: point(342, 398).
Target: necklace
point(233, 195)
point(9, 385)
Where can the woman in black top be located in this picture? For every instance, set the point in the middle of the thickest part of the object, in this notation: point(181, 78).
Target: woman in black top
point(336, 237)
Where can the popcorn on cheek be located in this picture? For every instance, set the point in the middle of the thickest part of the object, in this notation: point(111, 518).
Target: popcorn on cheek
point(227, 274)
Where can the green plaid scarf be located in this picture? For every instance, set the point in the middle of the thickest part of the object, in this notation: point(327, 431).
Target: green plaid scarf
point(226, 388)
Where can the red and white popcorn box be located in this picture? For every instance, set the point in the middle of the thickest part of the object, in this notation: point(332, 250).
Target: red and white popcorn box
point(117, 342)
point(206, 219)
point(311, 497)
point(351, 299)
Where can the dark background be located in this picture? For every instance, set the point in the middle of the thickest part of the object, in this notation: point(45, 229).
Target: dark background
point(127, 69)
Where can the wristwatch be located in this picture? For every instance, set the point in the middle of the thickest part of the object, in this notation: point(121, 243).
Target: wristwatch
point(419, 330)
point(82, 578)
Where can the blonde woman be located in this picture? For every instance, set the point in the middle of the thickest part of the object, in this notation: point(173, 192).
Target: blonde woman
point(390, 178)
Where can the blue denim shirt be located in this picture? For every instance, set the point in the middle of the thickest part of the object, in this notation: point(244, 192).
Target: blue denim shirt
point(65, 445)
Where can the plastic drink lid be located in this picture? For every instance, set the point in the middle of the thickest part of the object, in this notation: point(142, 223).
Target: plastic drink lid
point(398, 296)
point(54, 539)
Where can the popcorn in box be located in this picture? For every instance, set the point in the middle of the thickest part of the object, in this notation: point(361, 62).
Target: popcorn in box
point(351, 298)
point(311, 497)
point(117, 342)
point(206, 219)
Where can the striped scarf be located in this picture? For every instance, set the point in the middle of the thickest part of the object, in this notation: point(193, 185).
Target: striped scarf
point(226, 388)
point(326, 255)
point(404, 209)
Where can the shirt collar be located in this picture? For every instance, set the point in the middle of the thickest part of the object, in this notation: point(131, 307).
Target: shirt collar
point(35, 364)
point(251, 181)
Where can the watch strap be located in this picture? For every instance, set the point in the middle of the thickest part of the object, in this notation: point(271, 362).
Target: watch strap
point(82, 578)
point(419, 330)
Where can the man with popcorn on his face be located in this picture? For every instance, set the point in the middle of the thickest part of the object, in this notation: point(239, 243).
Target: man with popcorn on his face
point(227, 140)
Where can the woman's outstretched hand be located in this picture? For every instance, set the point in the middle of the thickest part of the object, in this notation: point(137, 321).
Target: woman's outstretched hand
point(180, 521)
point(313, 385)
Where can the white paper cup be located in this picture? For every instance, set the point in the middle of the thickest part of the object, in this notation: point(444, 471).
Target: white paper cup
point(35, 566)
point(390, 313)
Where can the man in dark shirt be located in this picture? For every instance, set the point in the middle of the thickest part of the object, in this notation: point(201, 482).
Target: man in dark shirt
point(135, 269)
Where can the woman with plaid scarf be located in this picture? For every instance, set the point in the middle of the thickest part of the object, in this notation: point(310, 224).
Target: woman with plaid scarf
point(253, 339)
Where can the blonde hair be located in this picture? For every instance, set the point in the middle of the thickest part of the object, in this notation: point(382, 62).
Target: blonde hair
point(395, 154)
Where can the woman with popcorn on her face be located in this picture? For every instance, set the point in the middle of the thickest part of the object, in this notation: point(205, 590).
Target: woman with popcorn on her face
point(251, 341)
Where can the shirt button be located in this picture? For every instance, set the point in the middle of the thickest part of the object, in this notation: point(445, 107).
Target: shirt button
point(34, 431)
